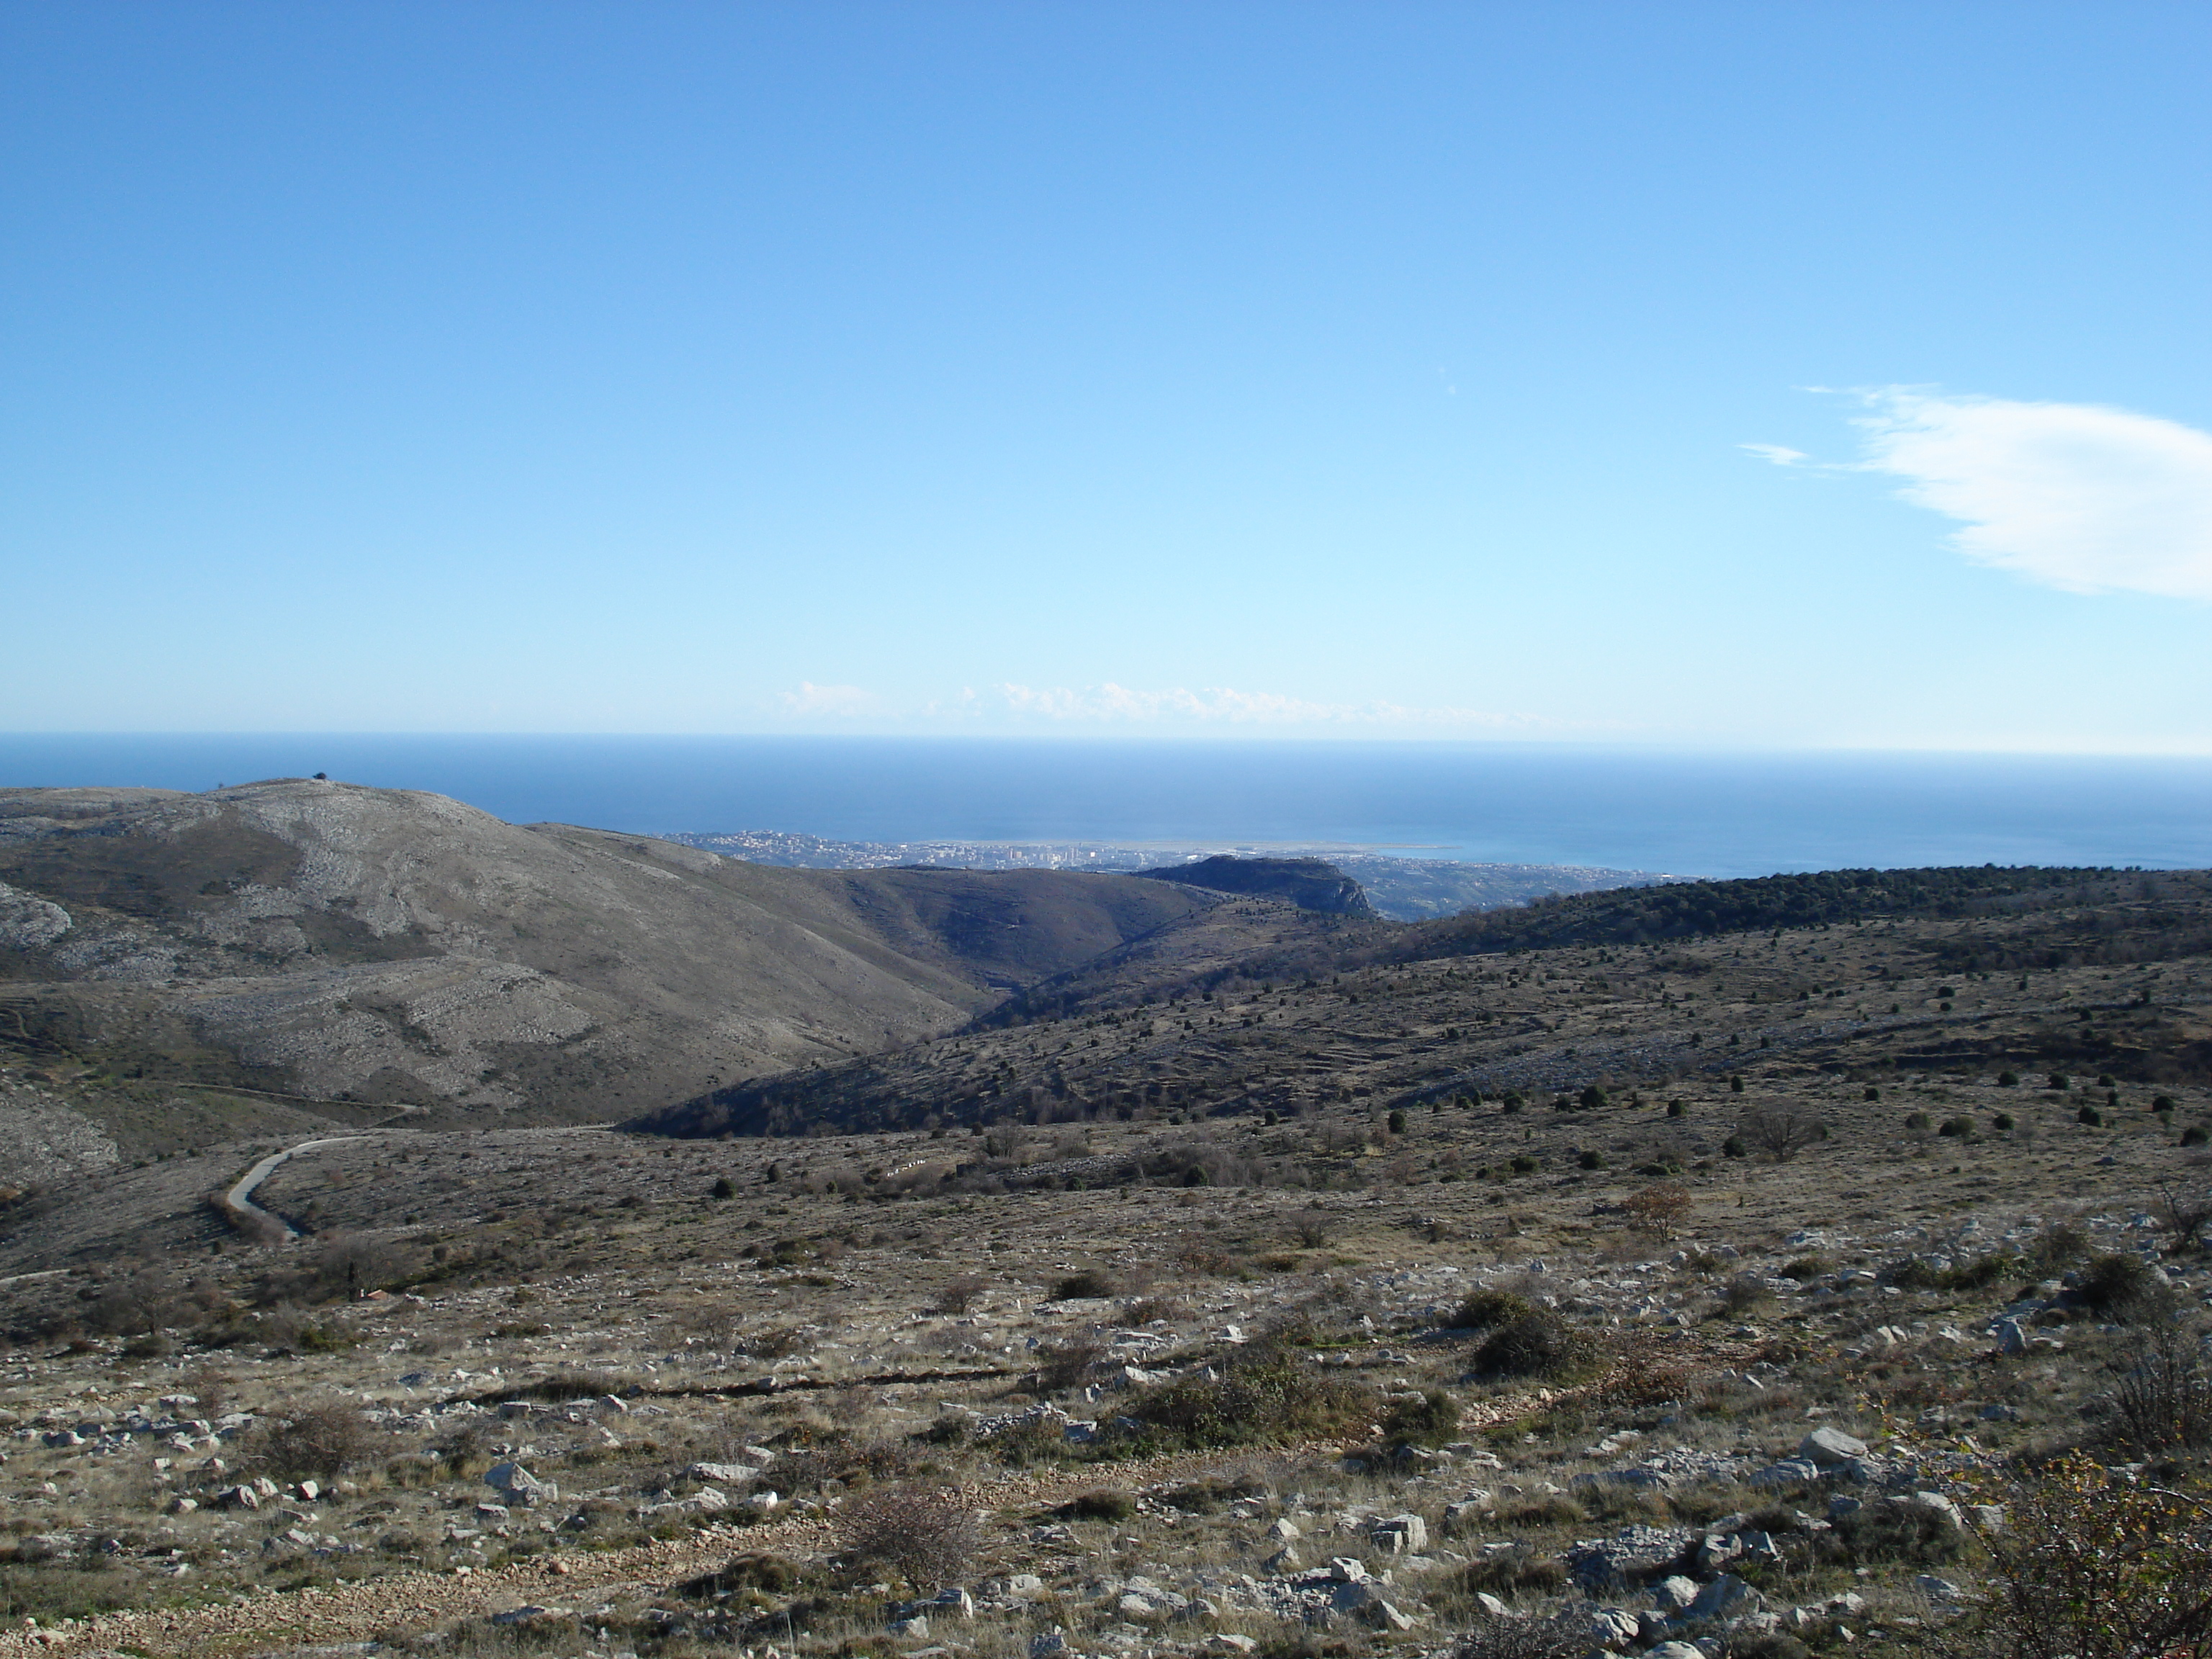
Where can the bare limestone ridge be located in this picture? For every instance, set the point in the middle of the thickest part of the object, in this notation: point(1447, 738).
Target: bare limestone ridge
point(353, 954)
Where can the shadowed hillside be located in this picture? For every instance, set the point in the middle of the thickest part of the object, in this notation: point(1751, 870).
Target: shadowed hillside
point(1310, 884)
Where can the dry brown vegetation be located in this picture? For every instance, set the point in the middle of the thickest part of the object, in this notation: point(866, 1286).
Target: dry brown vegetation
point(1179, 1378)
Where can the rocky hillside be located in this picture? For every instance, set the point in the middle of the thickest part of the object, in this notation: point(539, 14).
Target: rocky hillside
point(379, 951)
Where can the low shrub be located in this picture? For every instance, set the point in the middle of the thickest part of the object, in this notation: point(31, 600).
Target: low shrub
point(322, 1440)
point(741, 1573)
point(1560, 1637)
point(1098, 1506)
point(925, 1534)
point(1259, 1398)
point(1906, 1533)
point(1485, 1309)
point(2162, 1396)
point(1429, 1421)
point(957, 1295)
point(1519, 1571)
point(1067, 1364)
point(1744, 1295)
point(2096, 1567)
point(1539, 1343)
point(2119, 1285)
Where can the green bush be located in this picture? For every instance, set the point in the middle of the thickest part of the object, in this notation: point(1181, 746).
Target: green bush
point(1263, 1397)
point(1098, 1506)
point(2119, 1285)
point(1907, 1533)
point(1429, 1421)
point(1539, 1343)
point(1486, 1308)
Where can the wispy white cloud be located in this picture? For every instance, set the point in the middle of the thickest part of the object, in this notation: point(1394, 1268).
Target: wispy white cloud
point(1776, 453)
point(846, 702)
point(1223, 705)
point(2078, 496)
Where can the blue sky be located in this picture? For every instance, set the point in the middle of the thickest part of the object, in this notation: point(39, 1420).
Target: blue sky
point(1723, 375)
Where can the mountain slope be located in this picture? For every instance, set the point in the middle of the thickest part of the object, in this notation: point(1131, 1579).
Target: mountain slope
point(395, 949)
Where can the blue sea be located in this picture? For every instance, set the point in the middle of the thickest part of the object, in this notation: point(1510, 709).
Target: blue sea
point(1682, 813)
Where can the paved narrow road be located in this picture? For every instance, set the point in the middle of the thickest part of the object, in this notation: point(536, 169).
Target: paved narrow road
point(241, 1196)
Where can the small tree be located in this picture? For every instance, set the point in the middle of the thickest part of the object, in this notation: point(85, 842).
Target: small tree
point(1659, 1209)
point(1780, 1132)
point(956, 1295)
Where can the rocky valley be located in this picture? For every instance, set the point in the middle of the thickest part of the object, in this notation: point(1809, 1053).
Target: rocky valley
point(430, 1235)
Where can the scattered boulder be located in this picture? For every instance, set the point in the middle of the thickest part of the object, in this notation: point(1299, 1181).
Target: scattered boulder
point(1613, 1627)
point(1400, 1534)
point(1789, 1472)
point(1364, 1600)
point(1627, 1558)
point(1675, 1592)
point(1727, 1597)
point(1826, 1447)
point(523, 1489)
